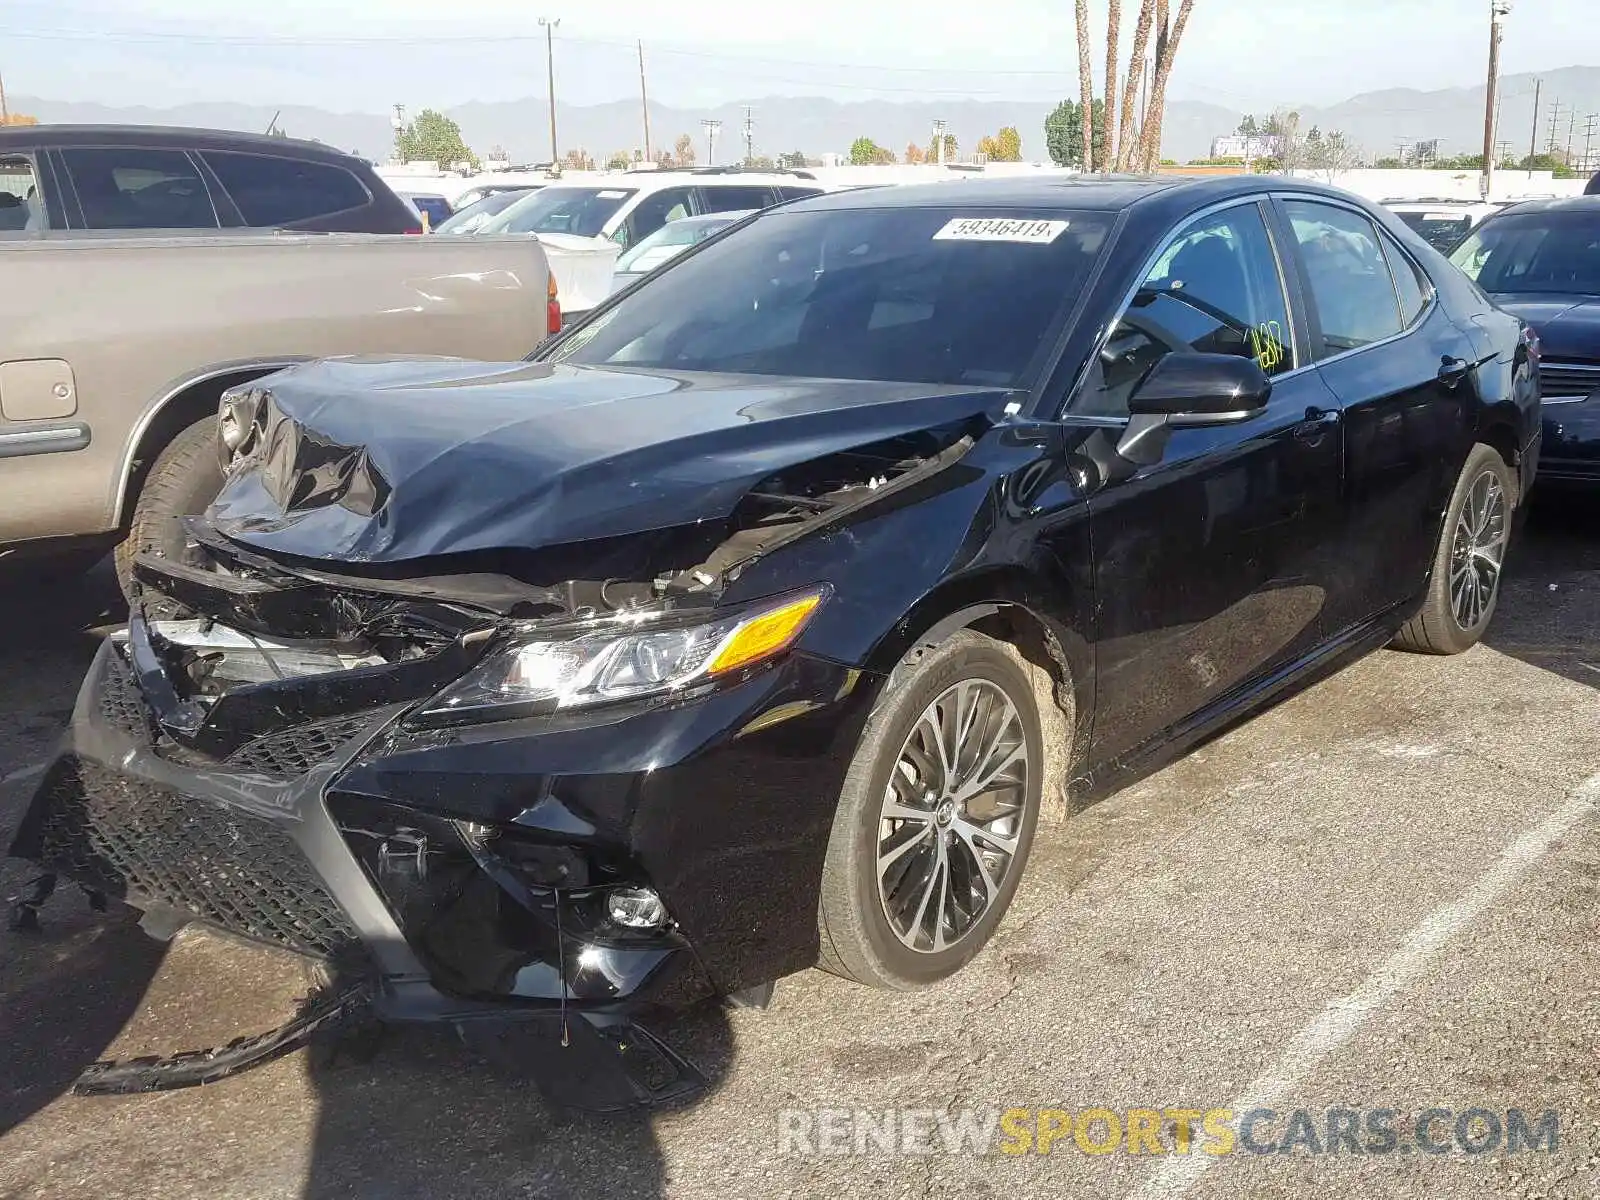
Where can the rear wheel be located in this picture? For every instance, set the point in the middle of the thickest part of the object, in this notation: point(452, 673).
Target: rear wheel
point(1464, 588)
point(184, 479)
point(936, 817)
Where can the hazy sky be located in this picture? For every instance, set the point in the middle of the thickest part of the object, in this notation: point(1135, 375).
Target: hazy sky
point(366, 54)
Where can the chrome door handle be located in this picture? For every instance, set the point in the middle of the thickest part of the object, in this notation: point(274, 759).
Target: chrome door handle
point(1453, 370)
point(1318, 421)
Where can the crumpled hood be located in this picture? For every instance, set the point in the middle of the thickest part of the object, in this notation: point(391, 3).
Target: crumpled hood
point(387, 461)
point(1568, 326)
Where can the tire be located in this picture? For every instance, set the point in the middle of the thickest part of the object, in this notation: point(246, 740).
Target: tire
point(858, 940)
point(1464, 589)
point(184, 479)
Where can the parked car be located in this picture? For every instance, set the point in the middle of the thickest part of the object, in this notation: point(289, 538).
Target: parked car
point(1594, 186)
point(484, 190)
point(1442, 223)
point(1541, 261)
point(114, 350)
point(436, 209)
point(471, 217)
point(146, 177)
point(666, 243)
point(756, 622)
point(629, 208)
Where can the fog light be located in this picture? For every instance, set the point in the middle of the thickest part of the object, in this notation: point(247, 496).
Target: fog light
point(636, 908)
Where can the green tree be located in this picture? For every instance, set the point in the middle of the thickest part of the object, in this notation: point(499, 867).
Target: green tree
point(1063, 131)
point(1389, 163)
point(793, 160)
point(683, 151)
point(950, 148)
point(434, 137)
point(619, 160)
point(1548, 162)
point(1248, 127)
point(864, 152)
point(1009, 143)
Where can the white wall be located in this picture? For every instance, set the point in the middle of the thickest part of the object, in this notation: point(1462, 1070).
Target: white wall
point(1448, 185)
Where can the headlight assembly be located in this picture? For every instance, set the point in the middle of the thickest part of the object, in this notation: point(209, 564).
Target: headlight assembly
point(625, 660)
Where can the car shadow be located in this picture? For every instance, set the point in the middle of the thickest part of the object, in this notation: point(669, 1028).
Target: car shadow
point(1549, 610)
point(410, 1113)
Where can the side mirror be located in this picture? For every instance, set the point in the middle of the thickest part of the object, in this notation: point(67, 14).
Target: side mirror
point(1190, 389)
point(1208, 387)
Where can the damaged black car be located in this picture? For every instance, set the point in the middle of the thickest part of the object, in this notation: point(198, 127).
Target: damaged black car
point(757, 622)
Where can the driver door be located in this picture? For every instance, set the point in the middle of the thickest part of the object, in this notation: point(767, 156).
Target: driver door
point(1213, 566)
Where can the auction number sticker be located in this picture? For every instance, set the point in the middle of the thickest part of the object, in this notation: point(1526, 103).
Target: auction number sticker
point(1001, 229)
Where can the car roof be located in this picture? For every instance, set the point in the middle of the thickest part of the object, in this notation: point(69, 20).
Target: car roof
point(1093, 193)
point(1587, 204)
point(652, 181)
point(17, 137)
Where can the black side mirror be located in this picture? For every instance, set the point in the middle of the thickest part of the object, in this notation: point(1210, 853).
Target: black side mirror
point(1215, 386)
point(1190, 389)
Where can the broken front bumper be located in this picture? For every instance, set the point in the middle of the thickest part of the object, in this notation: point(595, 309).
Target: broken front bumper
point(464, 872)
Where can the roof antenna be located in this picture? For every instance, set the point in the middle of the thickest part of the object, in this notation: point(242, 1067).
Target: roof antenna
point(273, 124)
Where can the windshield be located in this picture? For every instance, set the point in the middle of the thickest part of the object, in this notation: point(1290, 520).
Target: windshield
point(925, 295)
point(673, 239)
point(1538, 252)
point(1440, 230)
point(472, 218)
point(579, 211)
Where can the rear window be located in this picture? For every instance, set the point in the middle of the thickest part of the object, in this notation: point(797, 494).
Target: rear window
point(131, 187)
point(279, 191)
point(1537, 252)
point(925, 295)
point(582, 212)
point(1440, 230)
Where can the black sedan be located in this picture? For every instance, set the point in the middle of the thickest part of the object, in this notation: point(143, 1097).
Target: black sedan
point(756, 622)
point(1541, 261)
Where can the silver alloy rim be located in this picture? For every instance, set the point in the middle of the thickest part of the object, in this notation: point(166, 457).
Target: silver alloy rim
point(952, 814)
point(1476, 550)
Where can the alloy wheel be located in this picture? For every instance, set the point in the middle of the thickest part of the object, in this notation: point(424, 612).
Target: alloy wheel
point(1477, 550)
point(952, 815)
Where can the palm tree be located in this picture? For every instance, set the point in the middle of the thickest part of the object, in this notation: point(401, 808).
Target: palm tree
point(1166, 51)
point(1086, 85)
point(1128, 145)
point(1113, 34)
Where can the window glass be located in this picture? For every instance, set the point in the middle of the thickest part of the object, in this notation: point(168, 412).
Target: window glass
point(1441, 230)
point(279, 191)
point(1216, 289)
point(1409, 281)
point(788, 192)
point(922, 295)
point(656, 210)
point(1535, 253)
point(134, 188)
point(1348, 275)
point(20, 206)
point(581, 211)
point(731, 199)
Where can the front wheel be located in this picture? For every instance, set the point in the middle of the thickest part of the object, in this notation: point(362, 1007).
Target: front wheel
point(1464, 587)
point(184, 479)
point(936, 817)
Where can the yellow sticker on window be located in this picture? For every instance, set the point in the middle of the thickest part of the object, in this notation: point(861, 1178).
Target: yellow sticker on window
point(1266, 344)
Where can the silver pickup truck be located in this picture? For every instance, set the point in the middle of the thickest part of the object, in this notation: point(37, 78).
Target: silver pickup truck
point(114, 352)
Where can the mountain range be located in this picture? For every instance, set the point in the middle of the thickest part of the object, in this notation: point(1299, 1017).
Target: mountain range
point(1376, 121)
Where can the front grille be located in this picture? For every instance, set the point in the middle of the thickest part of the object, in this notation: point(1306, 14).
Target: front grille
point(121, 704)
point(1563, 379)
point(292, 752)
point(227, 867)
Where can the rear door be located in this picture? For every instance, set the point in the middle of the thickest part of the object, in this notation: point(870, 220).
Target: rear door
point(136, 187)
point(1211, 567)
point(1400, 367)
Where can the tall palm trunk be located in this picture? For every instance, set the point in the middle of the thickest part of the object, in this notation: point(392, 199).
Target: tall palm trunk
point(1128, 140)
point(1113, 35)
point(1150, 140)
point(1086, 85)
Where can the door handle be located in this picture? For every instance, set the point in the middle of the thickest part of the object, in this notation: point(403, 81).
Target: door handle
point(1453, 370)
point(1318, 421)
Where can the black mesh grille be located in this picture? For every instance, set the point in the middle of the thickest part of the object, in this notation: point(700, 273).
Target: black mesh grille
point(1556, 379)
point(292, 752)
point(225, 866)
point(121, 704)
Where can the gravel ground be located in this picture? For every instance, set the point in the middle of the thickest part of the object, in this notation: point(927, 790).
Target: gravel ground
point(1381, 894)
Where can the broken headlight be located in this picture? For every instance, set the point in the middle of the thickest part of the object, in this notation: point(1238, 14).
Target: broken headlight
point(624, 661)
point(238, 417)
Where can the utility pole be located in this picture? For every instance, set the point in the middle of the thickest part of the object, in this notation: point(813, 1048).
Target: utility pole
point(749, 135)
point(644, 105)
point(711, 127)
point(5, 113)
point(1533, 140)
point(1588, 139)
point(938, 141)
point(1572, 118)
point(1498, 11)
point(1555, 116)
point(550, 67)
